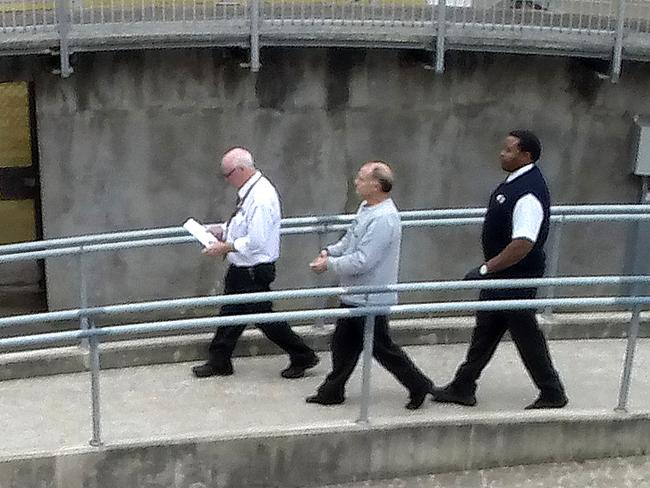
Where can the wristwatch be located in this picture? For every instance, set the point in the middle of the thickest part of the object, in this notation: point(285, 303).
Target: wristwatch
point(483, 270)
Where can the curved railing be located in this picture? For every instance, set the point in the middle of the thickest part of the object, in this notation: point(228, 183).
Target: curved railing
point(636, 302)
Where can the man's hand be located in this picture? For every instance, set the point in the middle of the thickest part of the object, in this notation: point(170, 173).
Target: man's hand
point(319, 265)
point(478, 273)
point(216, 230)
point(219, 248)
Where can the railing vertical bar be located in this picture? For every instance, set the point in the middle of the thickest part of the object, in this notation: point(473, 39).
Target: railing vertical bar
point(368, 339)
point(83, 290)
point(617, 58)
point(640, 257)
point(554, 265)
point(63, 15)
point(96, 440)
point(440, 38)
point(633, 332)
point(255, 35)
point(320, 323)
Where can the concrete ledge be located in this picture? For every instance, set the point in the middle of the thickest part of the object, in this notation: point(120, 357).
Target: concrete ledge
point(175, 349)
point(335, 453)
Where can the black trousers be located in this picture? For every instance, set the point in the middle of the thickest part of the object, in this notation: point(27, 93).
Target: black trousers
point(347, 344)
point(525, 333)
point(249, 280)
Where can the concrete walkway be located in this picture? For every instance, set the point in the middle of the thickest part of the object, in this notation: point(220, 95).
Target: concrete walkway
point(163, 403)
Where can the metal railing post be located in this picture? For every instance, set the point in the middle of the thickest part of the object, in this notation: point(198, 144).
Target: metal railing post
point(633, 333)
point(368, 339)
point(320, 323)
point(440, 38)
point(92, 343)
point(617, 57)
point(64, 23)
point(83, 294)
point(639, 264)
point(94, 387)
point(255, 35)
point(554, 264)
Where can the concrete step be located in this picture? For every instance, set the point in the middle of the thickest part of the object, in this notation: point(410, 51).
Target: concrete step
point(193, 347)
point(163, 427)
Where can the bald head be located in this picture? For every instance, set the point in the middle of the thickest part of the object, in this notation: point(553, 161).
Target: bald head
point(237, 166)
point(383, 173)
point(238, 157)
point(374, 181)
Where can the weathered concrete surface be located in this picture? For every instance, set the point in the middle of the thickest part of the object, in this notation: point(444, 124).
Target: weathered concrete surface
point(334, 453)
point(162, 427)
point(193, 347)
point(630, 472)
point(132, 141)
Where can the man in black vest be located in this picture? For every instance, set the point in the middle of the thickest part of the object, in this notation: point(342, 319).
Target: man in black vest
point(514, 232)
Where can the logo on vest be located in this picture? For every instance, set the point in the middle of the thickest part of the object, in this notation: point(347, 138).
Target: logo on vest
point(501, 198)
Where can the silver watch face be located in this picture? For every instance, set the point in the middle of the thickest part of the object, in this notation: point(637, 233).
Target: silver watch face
point(483, 270)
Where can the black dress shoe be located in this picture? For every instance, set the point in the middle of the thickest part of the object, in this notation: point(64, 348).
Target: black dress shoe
point(324, 400)
point(449, 395)
point(417, 399)
point(208, 369)
point(298, 370)
point(548, 402)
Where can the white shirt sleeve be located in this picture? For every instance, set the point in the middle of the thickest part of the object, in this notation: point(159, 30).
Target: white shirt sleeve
point(527, 218)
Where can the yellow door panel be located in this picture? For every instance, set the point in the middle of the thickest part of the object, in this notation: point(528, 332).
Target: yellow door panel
point(17, 221)
point(15, 134)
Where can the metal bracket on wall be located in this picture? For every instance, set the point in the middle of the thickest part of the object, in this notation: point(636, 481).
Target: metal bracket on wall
point(440, 38)
point(617, 55)
point(255, 35)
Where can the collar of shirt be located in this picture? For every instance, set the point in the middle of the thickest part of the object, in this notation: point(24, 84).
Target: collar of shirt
point(364, 205)
point(251, 181)
point(519, 172)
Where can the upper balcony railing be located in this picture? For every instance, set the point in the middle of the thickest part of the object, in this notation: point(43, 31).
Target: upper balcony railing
point(592, 28)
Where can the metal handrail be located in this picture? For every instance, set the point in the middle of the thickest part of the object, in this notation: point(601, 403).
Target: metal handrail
point(301, 293)
point(300, 225)
point(331, 313)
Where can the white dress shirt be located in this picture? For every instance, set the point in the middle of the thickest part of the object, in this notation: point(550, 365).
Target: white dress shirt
point(254, 230)
point(528, 213)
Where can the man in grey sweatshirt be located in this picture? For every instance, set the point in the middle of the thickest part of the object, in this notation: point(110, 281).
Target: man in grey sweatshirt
point(368, 255)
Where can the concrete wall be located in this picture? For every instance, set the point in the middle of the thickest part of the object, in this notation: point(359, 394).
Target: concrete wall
point(336, 453)
point(133, 140)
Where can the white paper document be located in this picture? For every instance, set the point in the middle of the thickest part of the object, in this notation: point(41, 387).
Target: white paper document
point(199, 232)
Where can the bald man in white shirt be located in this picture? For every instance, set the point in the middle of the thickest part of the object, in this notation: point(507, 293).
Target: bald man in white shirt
point(250, 240)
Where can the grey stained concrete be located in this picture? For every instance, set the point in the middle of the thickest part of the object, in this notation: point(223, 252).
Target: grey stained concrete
point(133, 138)
point(631, 472)
point(167, 402)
